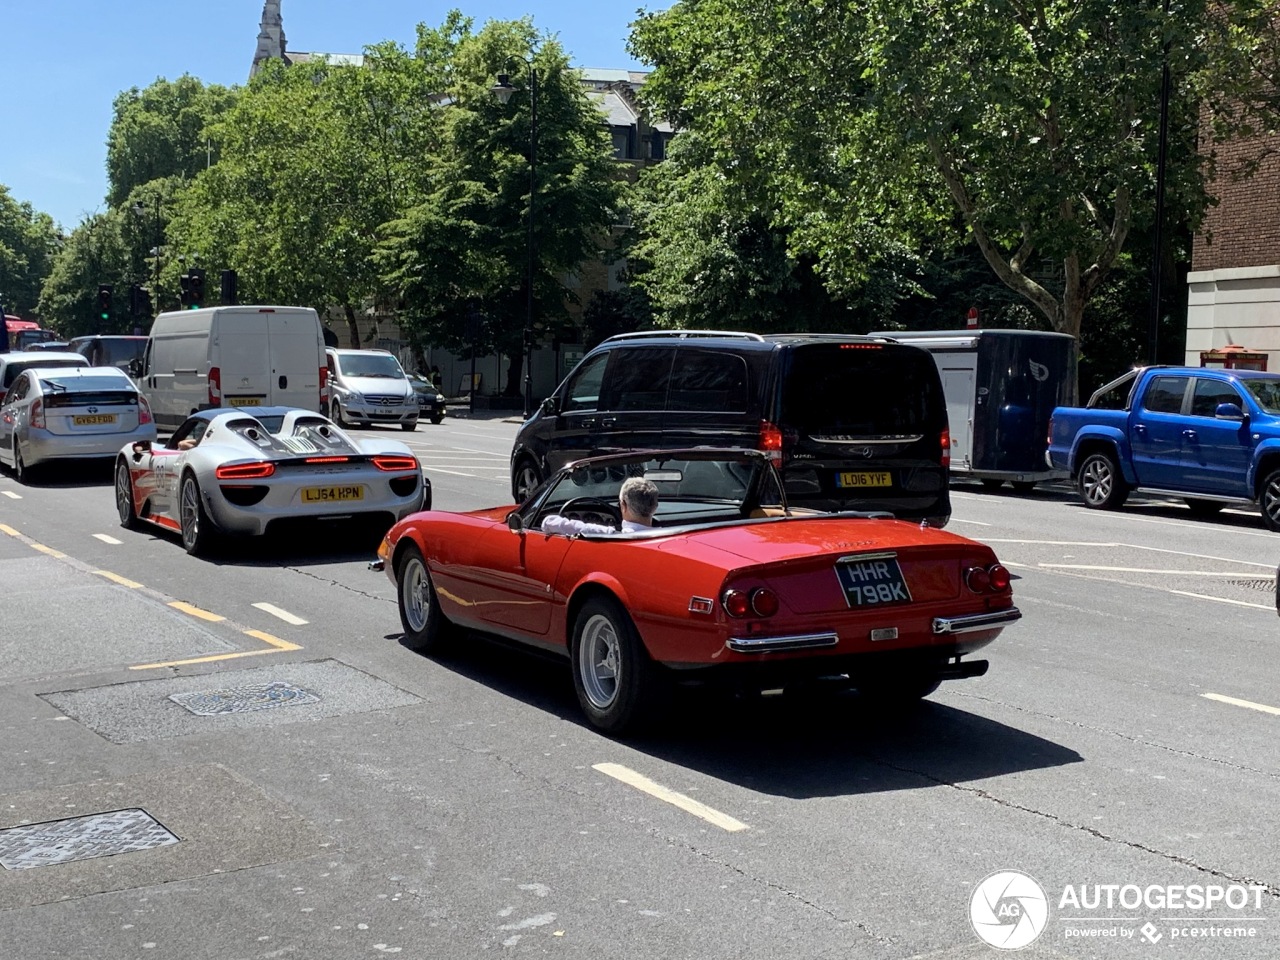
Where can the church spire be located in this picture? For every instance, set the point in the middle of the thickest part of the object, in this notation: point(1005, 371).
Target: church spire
point(270, 36)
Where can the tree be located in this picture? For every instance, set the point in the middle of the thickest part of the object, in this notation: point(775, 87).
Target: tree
point(462, 251)
point(27, 244)
point(94, 253)
point(870, 122)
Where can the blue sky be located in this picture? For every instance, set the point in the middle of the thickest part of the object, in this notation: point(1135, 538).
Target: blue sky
point(64, 61)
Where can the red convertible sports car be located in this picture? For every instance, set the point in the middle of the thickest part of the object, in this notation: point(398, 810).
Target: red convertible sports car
point(728, 582)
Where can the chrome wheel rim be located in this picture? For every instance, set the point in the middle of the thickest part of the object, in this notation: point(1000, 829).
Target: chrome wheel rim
point(526, 482)
point(190, 512)
point(1097, 481)
point(415, 595)
point(1271, 501)
point(124, 495)
point(599, 655)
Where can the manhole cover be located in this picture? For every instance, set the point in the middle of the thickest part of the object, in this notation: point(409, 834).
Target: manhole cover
point(80, 838)
point(255, 696)
point(1267, 584)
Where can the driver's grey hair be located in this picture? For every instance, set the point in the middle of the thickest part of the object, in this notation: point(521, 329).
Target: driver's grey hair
point(640, 495)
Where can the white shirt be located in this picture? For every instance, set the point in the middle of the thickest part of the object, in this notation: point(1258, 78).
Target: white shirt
point(554, 523)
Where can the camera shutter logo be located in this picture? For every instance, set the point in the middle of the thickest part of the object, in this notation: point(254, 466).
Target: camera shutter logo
point(1008, 910)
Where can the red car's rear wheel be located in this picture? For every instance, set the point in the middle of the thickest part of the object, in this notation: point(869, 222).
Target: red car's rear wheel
point(618, 686)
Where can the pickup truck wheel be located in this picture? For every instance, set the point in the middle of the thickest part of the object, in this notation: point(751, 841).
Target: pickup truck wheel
point(1102, 485)
point(1270, 501)
point(1204, 508)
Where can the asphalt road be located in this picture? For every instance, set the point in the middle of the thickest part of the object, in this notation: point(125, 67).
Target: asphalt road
point(378, 802)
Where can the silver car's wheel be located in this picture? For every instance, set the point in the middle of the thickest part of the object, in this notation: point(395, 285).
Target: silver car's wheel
point(335, 414)
point(124, 496)
point(197, 531)
point(21, 472)
point(598, 659)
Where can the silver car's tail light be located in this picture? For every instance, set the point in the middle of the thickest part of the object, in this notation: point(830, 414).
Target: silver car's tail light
point(245, 471)
point(395, 464)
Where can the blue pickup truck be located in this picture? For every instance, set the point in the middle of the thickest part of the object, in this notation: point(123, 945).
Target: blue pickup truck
point(1209, 436)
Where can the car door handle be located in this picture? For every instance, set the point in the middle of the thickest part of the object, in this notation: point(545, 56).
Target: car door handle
point(1189, 434)
point(608, 421)
point(1139, 428)
point(589, 421)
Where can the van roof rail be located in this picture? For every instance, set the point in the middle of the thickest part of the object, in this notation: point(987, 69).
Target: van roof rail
point(682, 334)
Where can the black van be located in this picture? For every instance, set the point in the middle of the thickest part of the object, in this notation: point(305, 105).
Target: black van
point(858, 423)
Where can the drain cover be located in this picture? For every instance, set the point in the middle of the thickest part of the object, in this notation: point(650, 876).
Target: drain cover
point(1266, 584)
point(80, 838)
point(254, 696)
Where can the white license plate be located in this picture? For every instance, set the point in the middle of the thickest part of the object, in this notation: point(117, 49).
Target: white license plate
point(245, 401)
point(863, 479)
point(93, 420)
point(332, 494)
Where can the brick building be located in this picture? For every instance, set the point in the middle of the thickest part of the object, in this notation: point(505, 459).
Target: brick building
point(1233, 290)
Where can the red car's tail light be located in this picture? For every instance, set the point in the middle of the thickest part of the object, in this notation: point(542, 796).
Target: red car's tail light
point(764, 602)
point(394, 464)
point(215, 387)
point(737, 603)
point(946, 448)
point(771, 439)
point(144, 411)
point(37, 416)
point(245, 471)
point(998, 577)
point(977, 580)
point(327, 459)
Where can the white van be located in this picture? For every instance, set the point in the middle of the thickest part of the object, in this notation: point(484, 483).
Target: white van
point(233, 357)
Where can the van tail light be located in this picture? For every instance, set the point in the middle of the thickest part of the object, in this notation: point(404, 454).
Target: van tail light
point(1048, 440)
point(144, 411)
point(258, 470)
point(945, 443)
point(215, 387)
point(324, 389)
point(37, 414)
point(395, 464)
point(771, 439)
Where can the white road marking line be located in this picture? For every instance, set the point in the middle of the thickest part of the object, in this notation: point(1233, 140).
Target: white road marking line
point(452, 473)
point(1247, 704)
point(687, 804)
point(1238, 603)
point(1179, 573)
point(1138, 546)
point(11, 495)
point(1055, 543)
point(284, 615)
point(105, 539)
point(976, 523)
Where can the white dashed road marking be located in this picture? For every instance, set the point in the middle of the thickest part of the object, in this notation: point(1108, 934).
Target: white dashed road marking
point(11, 495)
point(284, 615)
point(1237, 603)
point(687, 804)
point(1247, 704)
point(105, 539)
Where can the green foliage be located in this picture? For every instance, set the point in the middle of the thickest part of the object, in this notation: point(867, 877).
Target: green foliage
point(463, 248)
point(95, 252)
point(27, 244)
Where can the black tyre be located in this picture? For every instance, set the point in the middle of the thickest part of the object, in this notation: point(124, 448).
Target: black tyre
point(1101, 484)
point(425, 627)
point(409, 427)
point(1023, 486)
point(124, 496)
point(21, 472)
point(992, 484)
point(619, 688)
point(437, 417)
point(335, 413)
point(1204, 508)
point(198, 534)
point(525, 478)
point(1269, 500)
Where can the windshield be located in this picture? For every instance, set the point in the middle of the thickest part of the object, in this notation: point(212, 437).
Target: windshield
point(13, 369)
point(1266, 391)
point(85, 384)
point(834, 391)
point(370, 365)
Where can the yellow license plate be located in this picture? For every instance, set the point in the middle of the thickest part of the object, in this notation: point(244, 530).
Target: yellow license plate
point(245, 401)
point(863, 480)
point(93, 419)
point(331, 494)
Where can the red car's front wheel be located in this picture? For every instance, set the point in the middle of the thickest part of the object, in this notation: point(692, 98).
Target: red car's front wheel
point(425, 627)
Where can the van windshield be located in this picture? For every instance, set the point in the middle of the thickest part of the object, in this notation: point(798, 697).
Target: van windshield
point(853, 390)
point(370, 365)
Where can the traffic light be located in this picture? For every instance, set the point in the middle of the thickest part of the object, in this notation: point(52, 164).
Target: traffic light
point(104, 302)
point(197, 287)
point(185, 295)
point(139, 301)
point(228, 291)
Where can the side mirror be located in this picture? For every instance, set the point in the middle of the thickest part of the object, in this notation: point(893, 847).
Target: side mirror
point(515, 522)
point(139, 448)
point(1229, 411)
point(135, 368)
point(550, 406)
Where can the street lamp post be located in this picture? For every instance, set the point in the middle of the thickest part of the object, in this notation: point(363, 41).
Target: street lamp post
point(503, 91)
point(139, 209)
point(1162, 162)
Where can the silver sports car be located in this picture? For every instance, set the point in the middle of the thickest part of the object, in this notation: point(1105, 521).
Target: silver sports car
point(239, 471)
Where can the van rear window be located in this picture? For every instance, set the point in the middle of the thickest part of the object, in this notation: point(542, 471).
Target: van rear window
point(863, 393)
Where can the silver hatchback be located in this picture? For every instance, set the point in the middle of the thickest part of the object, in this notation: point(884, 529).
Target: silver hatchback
point(70, 413)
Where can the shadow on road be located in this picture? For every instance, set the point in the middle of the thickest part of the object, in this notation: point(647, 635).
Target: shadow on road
point(829, 744)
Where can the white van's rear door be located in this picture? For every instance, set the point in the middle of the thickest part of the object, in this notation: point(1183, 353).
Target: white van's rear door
point(297, 354)
point(243, 357)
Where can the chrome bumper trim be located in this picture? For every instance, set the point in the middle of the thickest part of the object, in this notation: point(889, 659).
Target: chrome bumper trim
point(800, 641)
point(977, 621)
point(378, 565)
